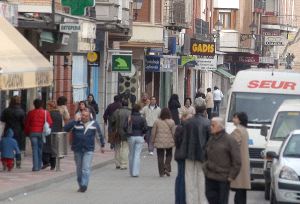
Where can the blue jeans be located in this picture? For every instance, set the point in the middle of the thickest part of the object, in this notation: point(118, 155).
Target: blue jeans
point(37, 150)
point(135, 148)
point(83, 161)
point(180, 183)
point(149, 140)
point(217, 107)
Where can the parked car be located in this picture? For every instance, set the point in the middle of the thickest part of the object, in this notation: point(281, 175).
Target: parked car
point(285, 171)
point(285, 120)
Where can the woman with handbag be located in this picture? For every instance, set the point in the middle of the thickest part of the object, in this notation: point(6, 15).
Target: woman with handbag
point(136, 128)
point(49, 154)
point(37, 125)
point(163, 139)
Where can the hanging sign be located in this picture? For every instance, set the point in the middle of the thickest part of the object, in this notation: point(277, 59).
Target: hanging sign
point(121, 63)
point(202, 48)
point(206, 63)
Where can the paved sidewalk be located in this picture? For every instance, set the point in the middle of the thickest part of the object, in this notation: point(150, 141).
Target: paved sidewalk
point(21, 181)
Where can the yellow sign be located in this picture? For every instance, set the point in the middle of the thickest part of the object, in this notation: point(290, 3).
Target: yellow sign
point(202, 48)
point(92, 57)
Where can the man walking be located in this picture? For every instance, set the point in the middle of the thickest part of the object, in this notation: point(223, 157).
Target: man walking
point(150, 113)
point(223, 163)
point(195, 136)
point(83, 145)
point(107, 116)
point(119, 118)
point(217, 95)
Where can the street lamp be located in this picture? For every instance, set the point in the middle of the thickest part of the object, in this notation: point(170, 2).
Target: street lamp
point(218, 28)
point(253, 28)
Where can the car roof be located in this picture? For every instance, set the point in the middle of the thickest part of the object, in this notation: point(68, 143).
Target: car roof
point(290, 105)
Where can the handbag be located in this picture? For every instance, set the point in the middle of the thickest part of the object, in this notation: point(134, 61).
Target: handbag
point(46, 127)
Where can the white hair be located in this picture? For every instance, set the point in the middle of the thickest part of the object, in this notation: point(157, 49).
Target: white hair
point(220, 121)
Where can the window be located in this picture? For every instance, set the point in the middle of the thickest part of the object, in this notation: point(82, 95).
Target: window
point(225, 18)
point(292, 148)
point(260, 107)
point(284, 124)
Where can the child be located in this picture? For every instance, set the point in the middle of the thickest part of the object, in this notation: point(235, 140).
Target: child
point(9, 150)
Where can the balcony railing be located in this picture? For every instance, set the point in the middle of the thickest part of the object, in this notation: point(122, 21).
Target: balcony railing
point(280, 20)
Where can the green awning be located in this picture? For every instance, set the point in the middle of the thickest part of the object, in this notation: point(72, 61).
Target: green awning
point(225, 74)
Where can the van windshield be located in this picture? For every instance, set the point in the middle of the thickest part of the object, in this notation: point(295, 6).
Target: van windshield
point(284, 124)
point(260, 107)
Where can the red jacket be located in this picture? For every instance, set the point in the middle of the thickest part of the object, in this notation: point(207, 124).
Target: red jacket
point(35, 121)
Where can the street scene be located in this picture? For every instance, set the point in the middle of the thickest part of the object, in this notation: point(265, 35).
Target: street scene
point(150, 101)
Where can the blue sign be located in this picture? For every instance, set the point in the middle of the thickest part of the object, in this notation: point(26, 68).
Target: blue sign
point(152, 63)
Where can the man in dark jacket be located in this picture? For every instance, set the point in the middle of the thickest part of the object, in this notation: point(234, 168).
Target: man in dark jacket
point(222, 164)
point(83, 145)
point(111, 108)
point(195, 136)
point(119, 118)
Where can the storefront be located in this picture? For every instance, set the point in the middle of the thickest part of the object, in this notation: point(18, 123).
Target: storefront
point(24, 70)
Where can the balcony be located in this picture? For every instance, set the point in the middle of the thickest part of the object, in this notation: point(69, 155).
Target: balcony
point(34, 6)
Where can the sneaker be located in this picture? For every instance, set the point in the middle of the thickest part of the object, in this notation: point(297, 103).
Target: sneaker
point(83, 189)
point(151, 153)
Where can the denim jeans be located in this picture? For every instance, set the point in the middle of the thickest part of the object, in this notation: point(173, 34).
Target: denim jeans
point(180, 183)
point(149, 140)
point(83, 161)
point(37, 150)
point(135, 148)
point(217, 107)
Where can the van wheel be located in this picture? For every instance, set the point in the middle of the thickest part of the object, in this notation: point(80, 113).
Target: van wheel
point(267, 191)
point(273, 198)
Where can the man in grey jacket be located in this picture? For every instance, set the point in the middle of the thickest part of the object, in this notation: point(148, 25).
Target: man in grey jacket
point(222, 164)
point(195, 136)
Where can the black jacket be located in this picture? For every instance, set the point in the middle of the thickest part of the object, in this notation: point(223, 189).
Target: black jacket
point(14, 117)
point(178, 155)
point(196, 133)
point(139, 125)
point(173, 106)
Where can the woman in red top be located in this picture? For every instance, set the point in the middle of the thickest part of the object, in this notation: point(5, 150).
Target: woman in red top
point(34, 127)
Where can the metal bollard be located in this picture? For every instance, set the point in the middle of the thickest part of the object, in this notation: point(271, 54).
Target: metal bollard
point(59, 144)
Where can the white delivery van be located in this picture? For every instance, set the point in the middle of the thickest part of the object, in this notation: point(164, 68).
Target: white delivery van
point(286, 119)
point(259, 93)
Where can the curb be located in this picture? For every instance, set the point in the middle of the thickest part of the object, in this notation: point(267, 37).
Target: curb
point(4, 196)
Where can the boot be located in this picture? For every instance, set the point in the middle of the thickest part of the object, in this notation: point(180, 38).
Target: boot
point(18, 164)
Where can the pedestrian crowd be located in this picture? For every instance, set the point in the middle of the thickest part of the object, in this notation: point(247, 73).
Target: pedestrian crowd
point(210, 162)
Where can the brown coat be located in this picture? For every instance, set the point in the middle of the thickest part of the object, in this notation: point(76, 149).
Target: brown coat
point(163, 133)
point(242, 181)
point(223, 157)
point(209, 100)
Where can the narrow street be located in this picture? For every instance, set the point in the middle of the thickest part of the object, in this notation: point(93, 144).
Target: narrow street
point(112, 186)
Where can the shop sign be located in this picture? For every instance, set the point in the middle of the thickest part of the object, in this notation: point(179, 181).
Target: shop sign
point(206, 63)
point(121, 63)
point(69, 28)
point(202, 48)
point(270, 32)
point(168, 63)
point(152, 63)
point(188, 60)
point(13, 81)
point(9, 12)
point(93, 58)
point(275, 40)
point(78, 7)
point(249, 59)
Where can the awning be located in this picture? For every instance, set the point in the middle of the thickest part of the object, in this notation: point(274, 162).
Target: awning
point(225, 74)
point(21, 65)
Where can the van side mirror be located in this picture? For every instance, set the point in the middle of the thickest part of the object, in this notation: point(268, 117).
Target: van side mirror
point(272, 155)
point(264, 130)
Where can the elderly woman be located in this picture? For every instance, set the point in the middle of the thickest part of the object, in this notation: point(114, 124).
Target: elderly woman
point(34, 125)
point(162, 138)
point(49, 156)
point(242, 182)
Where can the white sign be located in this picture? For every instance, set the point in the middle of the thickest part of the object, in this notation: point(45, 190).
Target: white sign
point(65, 39)
point(275, 40)
point(69, 28)
point(168, 63)
point(206, 63)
